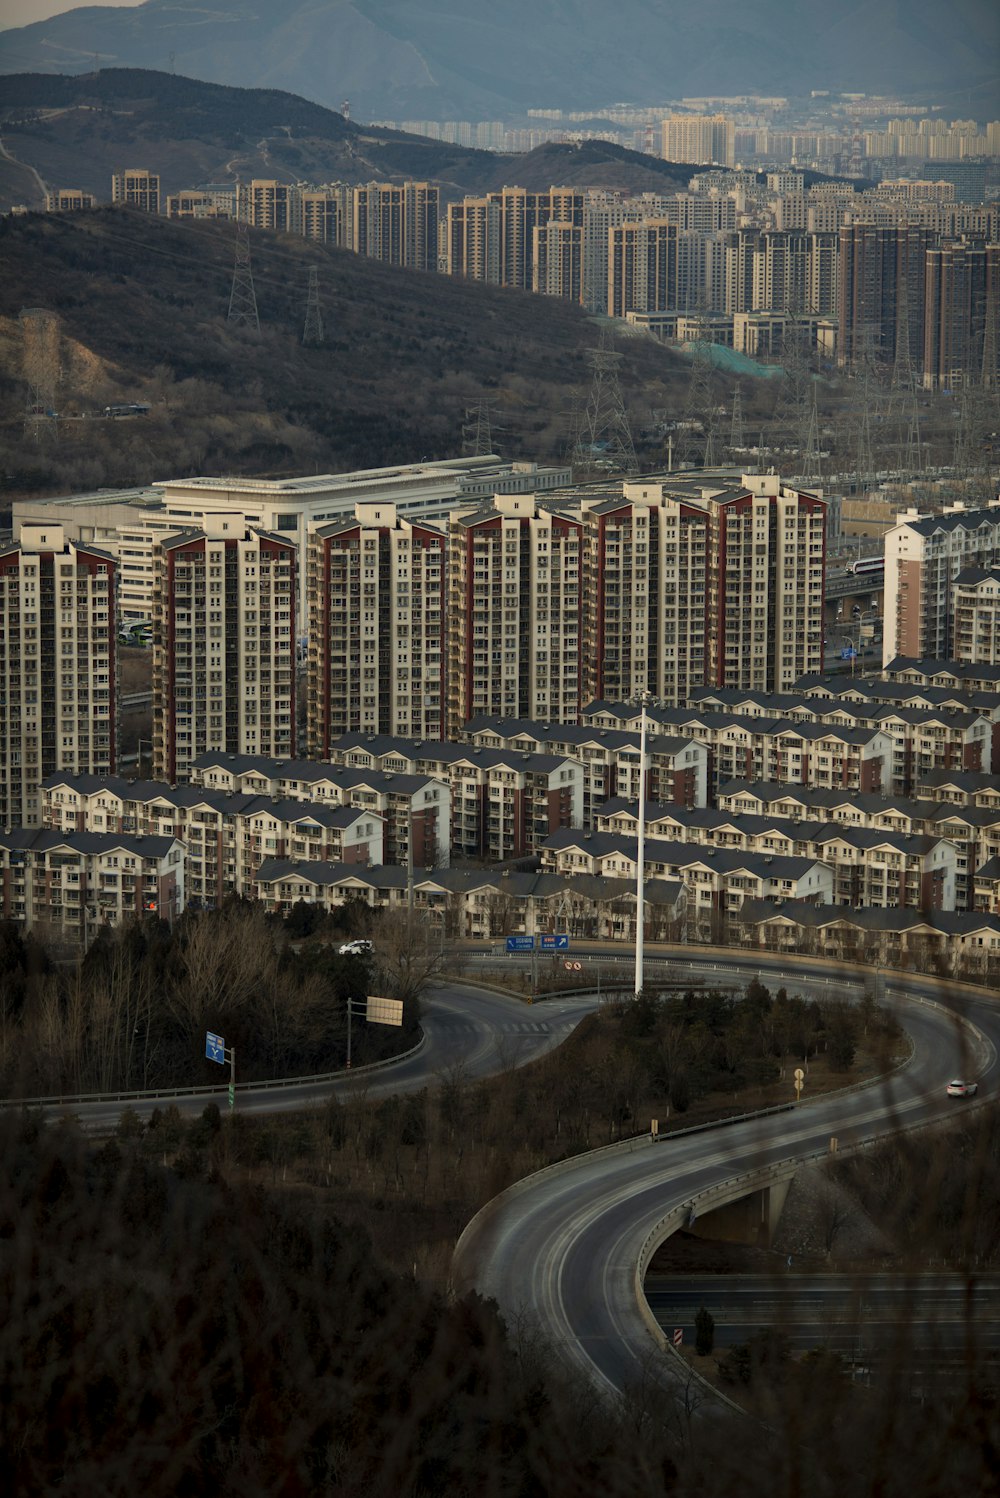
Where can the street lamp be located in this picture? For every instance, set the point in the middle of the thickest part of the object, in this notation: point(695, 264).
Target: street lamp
point(640, 879)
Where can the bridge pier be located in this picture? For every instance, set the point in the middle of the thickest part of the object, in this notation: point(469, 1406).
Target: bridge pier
point(750, 1219)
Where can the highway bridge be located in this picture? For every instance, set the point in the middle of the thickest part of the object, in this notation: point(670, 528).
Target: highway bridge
point(572, 1243)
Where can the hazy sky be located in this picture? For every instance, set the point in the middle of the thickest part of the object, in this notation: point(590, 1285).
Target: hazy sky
point(21, 12)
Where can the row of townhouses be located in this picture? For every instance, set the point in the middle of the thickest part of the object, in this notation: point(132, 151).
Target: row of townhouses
point(71, 885)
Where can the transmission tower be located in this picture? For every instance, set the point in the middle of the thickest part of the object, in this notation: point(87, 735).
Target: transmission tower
point(865, 406)
point(737, 436)
point(40, 346)
point(604, 431)
point(990, 374)
point(243, 298)
point(477, 430)
point(812, 464)
point(903, 409)
point(312, 334)
point(701, 412)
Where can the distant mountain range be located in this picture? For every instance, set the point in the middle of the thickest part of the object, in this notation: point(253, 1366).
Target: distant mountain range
point(480, 59)
point(75, 131)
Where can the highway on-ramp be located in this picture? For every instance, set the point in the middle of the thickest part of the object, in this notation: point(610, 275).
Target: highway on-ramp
point(564, 1245)
point(468, 1033)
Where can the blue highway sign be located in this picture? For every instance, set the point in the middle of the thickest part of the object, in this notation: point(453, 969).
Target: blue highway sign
point(558, 941)
point(520, 943)
point(215, 1048)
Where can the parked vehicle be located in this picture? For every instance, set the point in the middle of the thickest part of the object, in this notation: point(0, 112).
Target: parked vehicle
point(355, 948)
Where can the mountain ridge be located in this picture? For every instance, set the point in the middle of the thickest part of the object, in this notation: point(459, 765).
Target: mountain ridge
point(76, 130)
point(492, 57)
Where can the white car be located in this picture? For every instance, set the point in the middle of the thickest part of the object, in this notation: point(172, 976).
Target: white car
point(355, 948)
point(962, 1089)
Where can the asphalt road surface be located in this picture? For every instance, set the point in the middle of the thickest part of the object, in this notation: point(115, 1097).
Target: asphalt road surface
point(855, 1315)
point(563, 1246)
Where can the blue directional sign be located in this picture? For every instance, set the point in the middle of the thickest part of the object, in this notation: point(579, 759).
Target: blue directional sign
point(520, 943)
point(848, 654)
point(215, 1048)
point(558, 941)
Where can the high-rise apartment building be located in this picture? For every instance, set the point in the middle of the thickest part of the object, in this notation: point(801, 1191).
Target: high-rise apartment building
point(691, 583)
point(514, 611)
point(764, 584)
point(137, 188)
point(328, 214)
point(472, 240)
point(266, 203)
point(644, 582)
point(642, 267)
point(924, 555)
point(558, 261)
point(377, 638)
point(881, 292)
point(961, 343)
point(397, 223)
point(58, 634)
point(976, 631)
point(68, 200)
point(699, 138)
point(223, 645)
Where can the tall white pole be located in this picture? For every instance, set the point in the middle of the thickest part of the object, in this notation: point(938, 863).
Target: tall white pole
point(640, 879)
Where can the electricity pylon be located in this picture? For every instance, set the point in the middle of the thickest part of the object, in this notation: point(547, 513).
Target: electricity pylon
point(242, 297)
point(312, 333)
point(40, 346)
point(604, 431)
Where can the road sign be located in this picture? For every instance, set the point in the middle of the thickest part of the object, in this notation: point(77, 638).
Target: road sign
point(568, 966)
point(215, 1048)
point(384, 1011)
point(556, 941)
point(799, 1074)
point(678, 1336)
point(578, 967)
point(520, 943)
point(848, 654)
point(232, 1096)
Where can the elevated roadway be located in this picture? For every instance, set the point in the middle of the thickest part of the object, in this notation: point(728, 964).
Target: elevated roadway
point(570, 1245)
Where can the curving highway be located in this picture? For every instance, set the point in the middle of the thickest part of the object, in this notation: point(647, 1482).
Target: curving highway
point(468, 1033)
point(569, 1244)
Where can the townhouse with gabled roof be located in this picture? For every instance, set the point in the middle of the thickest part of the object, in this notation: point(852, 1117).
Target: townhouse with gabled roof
point(486, 904)
point(71, 884)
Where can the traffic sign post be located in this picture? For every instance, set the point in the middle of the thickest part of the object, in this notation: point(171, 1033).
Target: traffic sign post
point(377, 1011)
point(555, 941)
point(216, 1050)
point(799, 1081)
point(520, 944)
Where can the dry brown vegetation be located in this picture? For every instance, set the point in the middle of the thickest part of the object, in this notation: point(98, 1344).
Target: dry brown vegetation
point(406, 355)
point(206, 1307)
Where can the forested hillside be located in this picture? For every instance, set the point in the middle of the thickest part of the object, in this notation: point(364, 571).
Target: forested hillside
point(142, 305)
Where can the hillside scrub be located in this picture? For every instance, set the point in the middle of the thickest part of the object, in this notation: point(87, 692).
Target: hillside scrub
point(143, 302)
point(133, 1013)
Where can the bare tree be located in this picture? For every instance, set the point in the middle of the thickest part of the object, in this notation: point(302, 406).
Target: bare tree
point(408, 957)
